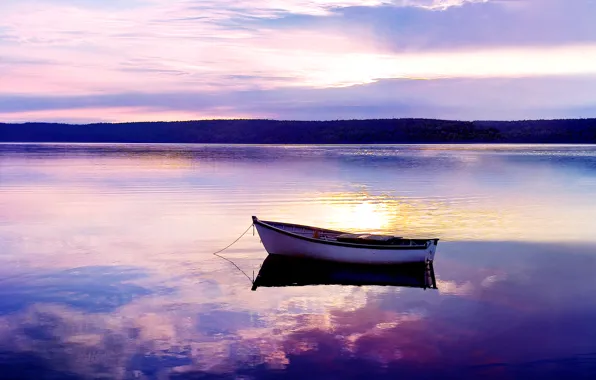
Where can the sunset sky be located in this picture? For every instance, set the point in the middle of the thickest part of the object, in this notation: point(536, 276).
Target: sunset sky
point(135, 60)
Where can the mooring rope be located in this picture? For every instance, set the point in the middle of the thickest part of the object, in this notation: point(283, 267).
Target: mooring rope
point(230, 261)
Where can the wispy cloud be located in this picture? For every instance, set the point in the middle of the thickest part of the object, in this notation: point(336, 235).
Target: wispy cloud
point(489, 98)
point(437, 4)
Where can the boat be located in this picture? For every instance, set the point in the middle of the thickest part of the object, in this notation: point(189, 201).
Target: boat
point(297, 240)
point(287, 271)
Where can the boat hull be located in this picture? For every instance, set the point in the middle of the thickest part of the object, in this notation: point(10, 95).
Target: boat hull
point(277, 242)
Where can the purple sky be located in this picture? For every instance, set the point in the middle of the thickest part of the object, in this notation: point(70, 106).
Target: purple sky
point(133, 60)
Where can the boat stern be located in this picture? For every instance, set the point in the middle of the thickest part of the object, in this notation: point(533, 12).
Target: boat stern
point(432, 249)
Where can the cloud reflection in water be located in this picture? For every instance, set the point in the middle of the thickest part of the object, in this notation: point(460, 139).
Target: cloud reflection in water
point(528, 295)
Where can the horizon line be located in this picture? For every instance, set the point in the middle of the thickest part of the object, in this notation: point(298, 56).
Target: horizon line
point(294, 120)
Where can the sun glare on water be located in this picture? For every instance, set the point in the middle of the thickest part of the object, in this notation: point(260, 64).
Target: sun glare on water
point(362, 217)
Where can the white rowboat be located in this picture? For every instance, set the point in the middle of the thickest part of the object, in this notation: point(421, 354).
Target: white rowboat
point(323, 244)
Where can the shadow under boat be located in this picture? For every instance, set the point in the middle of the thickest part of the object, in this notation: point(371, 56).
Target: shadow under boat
point(280, 271)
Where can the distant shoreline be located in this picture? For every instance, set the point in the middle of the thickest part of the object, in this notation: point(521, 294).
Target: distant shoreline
point(268, 132)
point(56, 143)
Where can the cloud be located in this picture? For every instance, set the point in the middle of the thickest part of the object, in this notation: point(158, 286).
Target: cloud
point(438, 4)
point(279, 8)
point(238, 47)
point(456, 98)
point(478, 25)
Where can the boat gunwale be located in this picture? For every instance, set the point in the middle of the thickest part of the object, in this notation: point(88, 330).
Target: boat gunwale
point(265, 224)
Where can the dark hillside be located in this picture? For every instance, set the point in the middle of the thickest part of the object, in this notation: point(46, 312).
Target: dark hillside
point(382, 131)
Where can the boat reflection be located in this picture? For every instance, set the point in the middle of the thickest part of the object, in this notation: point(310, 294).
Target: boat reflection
point(280, 271)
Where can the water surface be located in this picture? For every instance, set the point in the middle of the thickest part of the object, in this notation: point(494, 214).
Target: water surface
point(106, 268)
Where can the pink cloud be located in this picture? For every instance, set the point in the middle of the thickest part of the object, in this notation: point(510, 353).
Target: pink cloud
point(118, 114)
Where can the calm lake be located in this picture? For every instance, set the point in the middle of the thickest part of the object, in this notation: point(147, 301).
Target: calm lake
point(106, 265)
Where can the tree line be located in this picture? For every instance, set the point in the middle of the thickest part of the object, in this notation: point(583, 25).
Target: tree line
point(370, 131)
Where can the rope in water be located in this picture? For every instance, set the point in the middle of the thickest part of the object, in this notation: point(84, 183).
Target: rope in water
point(230, 261)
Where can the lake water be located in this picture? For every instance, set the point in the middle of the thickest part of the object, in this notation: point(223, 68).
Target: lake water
point(106, 265)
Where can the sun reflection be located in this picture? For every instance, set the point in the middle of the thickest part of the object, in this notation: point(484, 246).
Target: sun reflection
point(360, 216)
point(363, 212)
point(450, 218)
